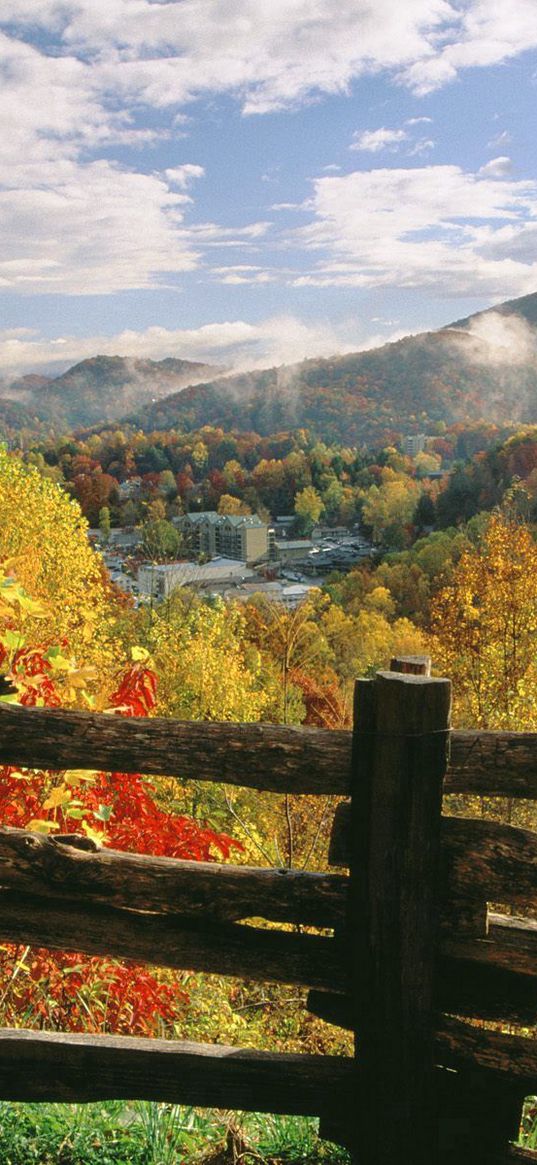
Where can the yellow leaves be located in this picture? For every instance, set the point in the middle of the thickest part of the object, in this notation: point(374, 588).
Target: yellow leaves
point(202, 667)
point(74, 777)
point(59, 577)
point(58, 798)
point(41, 825)
point(485, 626)
point(93, 834)
point(14, 602)
point(140, 655)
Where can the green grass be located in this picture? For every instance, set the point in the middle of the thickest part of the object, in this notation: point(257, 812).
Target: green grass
point(147, 1133)
point(528, 1131)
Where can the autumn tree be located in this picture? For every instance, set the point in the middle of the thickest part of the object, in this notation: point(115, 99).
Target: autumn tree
point(232, 505)
point(389, 508)
point(45, 532)
point(308, 508)
point(161, 540)
point(485, 627)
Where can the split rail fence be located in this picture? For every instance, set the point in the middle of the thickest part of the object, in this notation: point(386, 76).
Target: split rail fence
point(404, 952)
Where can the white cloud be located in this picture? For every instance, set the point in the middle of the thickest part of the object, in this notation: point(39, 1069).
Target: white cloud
point(273, 56)
point(497, 168)
point(497, 340)
point(422, 146)
point(435, 227)
point(182, 176)
point(73, 225)
point(92, 229)
point(238, 344)
point(375, 140)
point(501, 139)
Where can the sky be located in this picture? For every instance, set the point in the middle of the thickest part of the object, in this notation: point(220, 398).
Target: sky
point(256, 181)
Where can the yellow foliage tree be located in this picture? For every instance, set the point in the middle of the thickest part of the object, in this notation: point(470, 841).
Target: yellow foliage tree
point(485, 628)
point(44, 536)
point(199, 655)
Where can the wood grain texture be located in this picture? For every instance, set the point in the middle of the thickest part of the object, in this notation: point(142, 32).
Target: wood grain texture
point(481, 861)
point(490, 977)
point(401, 732)
point(52, 1066)
point(170, 941)
point(417, 665)
point(459, 1045)
point(511, 944)
point(54, 866)
point(493, 764)
point(484, 859)
point(261, 756)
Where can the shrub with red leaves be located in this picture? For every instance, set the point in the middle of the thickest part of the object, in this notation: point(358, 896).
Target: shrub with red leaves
point(70, 991)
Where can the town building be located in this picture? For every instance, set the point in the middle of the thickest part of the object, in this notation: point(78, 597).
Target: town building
point(241, 536)
point(414, 444)
point(292, 549)
point(157, 581)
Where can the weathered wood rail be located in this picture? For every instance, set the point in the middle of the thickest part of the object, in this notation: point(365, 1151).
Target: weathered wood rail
point(394, 952)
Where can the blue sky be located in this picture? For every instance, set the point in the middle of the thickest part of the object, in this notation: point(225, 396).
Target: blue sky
point(255, 181)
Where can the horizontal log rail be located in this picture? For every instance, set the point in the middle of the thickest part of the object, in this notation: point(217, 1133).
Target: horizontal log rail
point(485, 859)
point(510, 944)
point(481, 860)
point(493, 976)
point(269, 757)
point(65, 867)
point(166, 940)
point(51, 1066)
point(459, 1045)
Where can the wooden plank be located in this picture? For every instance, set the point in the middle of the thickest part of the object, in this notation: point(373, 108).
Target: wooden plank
point(479, 1116)
point(332, 1008)
point(401, 736)
point(479, 988)
point(481, 860)
point(339, 847)
point(459, 1045)
point(56, 867)
point(493, 764)
point(262, 756)
point(484, 991)
point(269, 757)
point(510, 943)
point(170, 941)
point(416, 665)
point(484, 859)
point(51, 1066)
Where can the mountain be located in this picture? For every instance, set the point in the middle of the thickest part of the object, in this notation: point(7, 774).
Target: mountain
point(483, 367)
point(103, 388)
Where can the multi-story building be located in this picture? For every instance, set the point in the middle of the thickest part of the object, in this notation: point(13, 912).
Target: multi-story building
point(159, 580)
point(241, 536)
point(414, 444)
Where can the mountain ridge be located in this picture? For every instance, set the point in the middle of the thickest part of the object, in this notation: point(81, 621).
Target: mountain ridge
point(480, 367)
point(484, 367)
point(102, 388)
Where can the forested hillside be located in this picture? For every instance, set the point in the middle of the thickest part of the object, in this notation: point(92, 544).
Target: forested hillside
point(481, 367)
point(100, 389)
point(484, 367)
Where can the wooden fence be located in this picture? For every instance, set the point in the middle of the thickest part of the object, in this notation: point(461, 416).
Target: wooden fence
point(404, 952)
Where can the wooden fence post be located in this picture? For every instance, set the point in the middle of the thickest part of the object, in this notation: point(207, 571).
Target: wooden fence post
point(400, 744)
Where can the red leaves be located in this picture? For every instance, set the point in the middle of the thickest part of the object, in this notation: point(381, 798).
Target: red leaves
point(74, 992)
point(136, 694)
point(80, 993)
